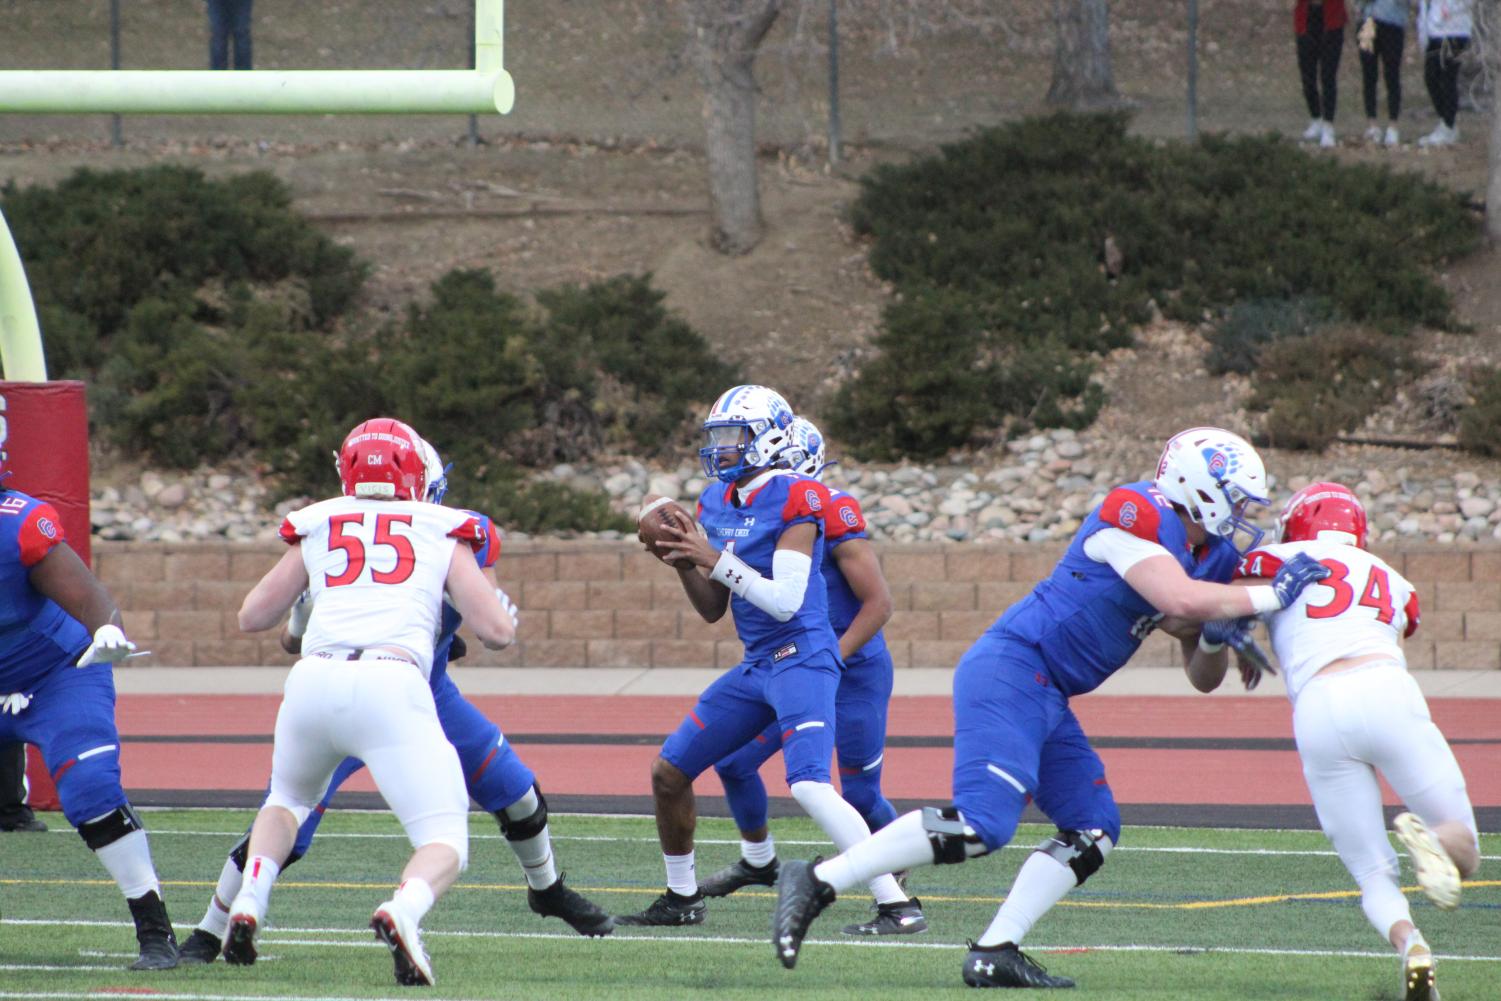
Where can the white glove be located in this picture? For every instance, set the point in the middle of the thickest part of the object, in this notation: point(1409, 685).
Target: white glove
point(109, 646)
point(13, 704)
point(302, 611)
point(509, 606)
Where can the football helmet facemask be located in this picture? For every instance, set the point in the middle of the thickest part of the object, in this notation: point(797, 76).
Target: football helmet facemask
point(1327, 511)
point(1215, 476)
point(381, 458)
point(746, 430)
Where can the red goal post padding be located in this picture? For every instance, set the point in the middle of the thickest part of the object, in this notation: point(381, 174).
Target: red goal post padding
point(44, 437)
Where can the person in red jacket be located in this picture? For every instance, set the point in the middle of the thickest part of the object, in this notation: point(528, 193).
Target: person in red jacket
point(1320, 29)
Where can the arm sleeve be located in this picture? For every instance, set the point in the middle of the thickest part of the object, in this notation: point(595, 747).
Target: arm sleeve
point(1258, 563)
point(1413, 614)
point(782, 595)
point(1121, 549)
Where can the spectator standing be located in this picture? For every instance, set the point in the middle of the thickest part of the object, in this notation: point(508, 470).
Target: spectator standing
point(1382, 32)
point(1320, 29)
point(1444, 29)
point(229, 19)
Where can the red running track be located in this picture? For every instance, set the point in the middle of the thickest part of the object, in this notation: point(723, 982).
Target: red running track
point(1195, 771)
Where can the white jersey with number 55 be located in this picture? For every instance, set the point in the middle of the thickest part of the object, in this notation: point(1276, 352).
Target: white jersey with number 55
point(376, 570)
point(1361, 608)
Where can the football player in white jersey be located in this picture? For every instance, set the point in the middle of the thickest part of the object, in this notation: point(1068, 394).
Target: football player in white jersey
point(1356, 710)
point(376, 562)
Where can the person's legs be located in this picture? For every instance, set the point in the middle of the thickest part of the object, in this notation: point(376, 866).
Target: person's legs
point(15, 815)
point(1331, 47)
point(740, 774)
point(1370, 69)
point(1072, 791)
point(730, 712)
point(1448, 78)
point(218, 34)
point(1389, 40)
point(1307, 49)
point(239, 28)
point(71, 720)
point(862, 703)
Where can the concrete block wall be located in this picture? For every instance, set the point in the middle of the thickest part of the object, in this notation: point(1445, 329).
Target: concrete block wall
point(602, 604)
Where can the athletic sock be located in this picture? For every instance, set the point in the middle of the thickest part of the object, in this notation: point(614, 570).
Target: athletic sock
point(902, 844)
point(759, 853)
point(1041, 883)
point(128, 860)
point(260, 876)
point(415, 897)
point(216, 918)
point(681, 877)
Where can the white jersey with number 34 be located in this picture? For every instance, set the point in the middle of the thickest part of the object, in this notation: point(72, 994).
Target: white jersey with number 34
point(1361, 608)
point(376, 570)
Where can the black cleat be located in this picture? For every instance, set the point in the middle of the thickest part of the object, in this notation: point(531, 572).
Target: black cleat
point(903, 918)
point(24, 822)
point(239, 941)
point(801, 896)
point(154, 935)
point(1005, 965)
point(738, 875)
point(670, 909)
point(201, 948)
point(562, 901)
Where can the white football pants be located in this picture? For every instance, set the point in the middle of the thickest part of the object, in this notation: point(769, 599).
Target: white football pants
point(382, 712)
point(1351, 724)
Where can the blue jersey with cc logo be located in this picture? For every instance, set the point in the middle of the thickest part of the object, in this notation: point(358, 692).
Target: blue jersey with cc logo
point(750, 526)
point(36, 635)
point(1084, 619)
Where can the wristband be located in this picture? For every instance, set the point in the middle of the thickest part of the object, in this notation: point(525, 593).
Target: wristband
point(1207, 647)
point(1264, 599)
point(734, 573)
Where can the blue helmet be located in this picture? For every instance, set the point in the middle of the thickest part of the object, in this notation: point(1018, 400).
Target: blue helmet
point(746, 429)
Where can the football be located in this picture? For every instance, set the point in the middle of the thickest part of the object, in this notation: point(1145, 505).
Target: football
point(657, 513)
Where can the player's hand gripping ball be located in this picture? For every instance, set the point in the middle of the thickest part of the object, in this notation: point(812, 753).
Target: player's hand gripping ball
point(657, 514)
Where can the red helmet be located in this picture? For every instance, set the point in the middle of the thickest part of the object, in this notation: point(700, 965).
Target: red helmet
point(1324, 510)
point(382, 458)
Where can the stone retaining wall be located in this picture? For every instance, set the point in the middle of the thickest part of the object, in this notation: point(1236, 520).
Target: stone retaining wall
point(603, 604)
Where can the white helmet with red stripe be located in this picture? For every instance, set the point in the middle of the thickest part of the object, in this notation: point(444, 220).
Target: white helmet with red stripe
point(1215, 476)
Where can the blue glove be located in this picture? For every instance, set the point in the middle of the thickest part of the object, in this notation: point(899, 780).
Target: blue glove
point(1222, 631)
point(1252, 660)
point(1296, 574)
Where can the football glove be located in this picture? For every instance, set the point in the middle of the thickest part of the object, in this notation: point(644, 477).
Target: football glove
point(109, 645)
point(302, 611)
point(1236, 633)
point(13, 704)
point(1296, 574)
point(509, 606)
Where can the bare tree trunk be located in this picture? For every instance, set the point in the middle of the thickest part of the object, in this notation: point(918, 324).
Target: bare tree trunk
point(1082, 79)
point(1493, 187)
point(724, 37)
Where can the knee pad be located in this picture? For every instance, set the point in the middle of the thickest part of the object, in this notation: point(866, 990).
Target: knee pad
point(952, 839)
point(109, 828)
point(526, 818)
point(1082, 851)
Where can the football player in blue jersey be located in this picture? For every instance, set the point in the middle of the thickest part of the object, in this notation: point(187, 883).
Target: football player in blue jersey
point(1153, 550)
point(59, 635)
point(859, 605)
point(761, 558)
point(496, 777)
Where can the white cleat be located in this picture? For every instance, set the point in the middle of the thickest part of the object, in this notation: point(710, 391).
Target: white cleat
point(1435, 869)
point(239, 940)
point(1417, 973)
point(399, 932)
